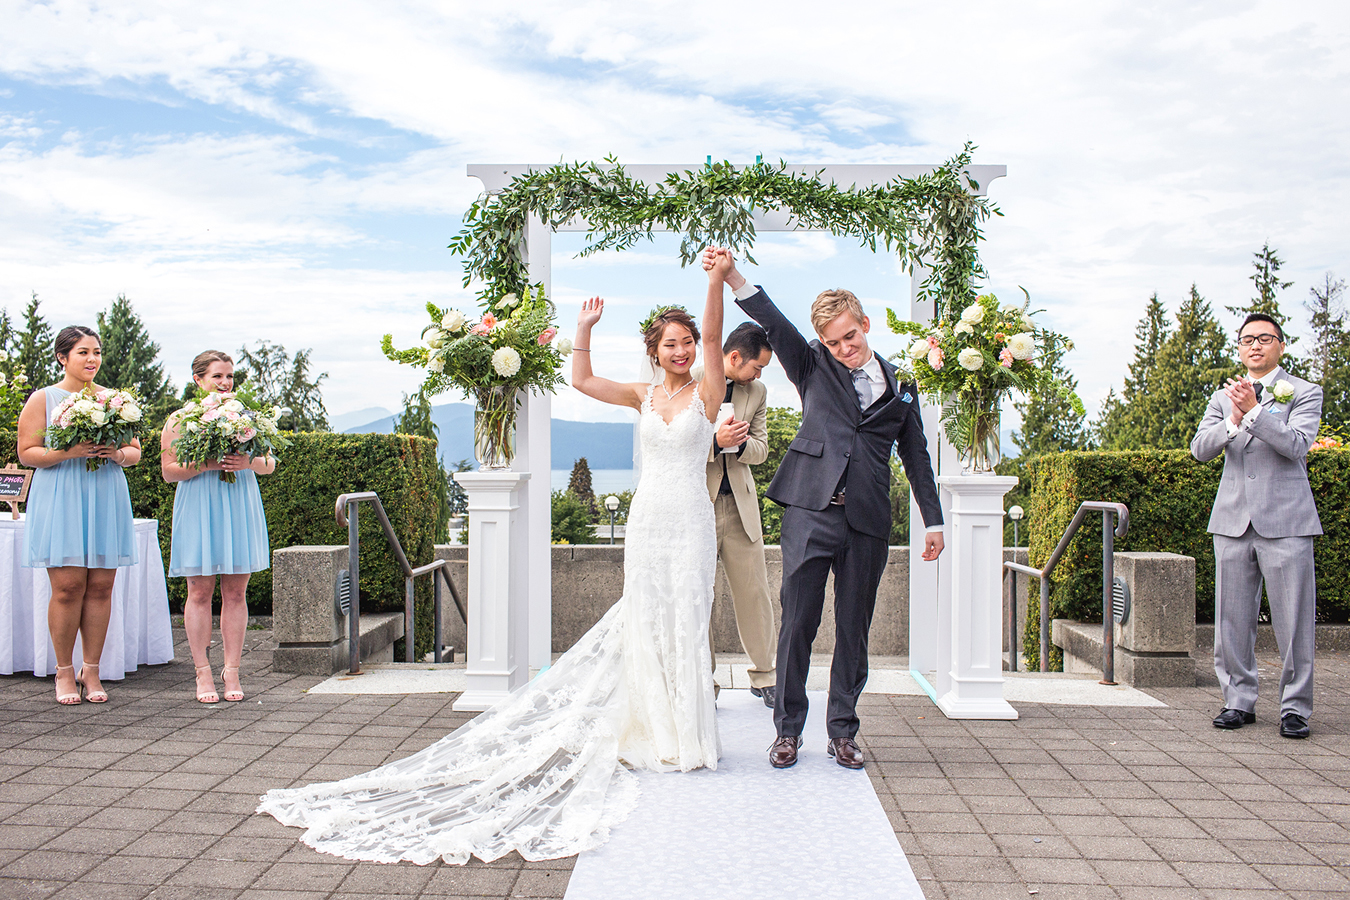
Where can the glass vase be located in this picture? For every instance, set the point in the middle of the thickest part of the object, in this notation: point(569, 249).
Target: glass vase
point(494, 427)
point(981, 450)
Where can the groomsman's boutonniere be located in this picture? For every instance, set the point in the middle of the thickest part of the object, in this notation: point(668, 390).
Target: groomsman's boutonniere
point(1282, 391)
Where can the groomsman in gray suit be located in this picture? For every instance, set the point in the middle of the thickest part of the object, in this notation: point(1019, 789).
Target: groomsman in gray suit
point(742, 441)
point(1263, 522)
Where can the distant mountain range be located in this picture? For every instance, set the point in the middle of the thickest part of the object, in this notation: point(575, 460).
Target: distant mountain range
point(606, 445)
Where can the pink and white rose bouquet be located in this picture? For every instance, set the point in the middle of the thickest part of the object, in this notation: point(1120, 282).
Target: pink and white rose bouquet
point(101, 417)
point(218, 424)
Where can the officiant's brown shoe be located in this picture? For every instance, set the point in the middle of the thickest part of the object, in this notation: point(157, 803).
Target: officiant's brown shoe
point(845, 752)
point(783, 752)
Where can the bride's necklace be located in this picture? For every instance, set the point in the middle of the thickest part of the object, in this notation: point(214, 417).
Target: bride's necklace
point(669, 395)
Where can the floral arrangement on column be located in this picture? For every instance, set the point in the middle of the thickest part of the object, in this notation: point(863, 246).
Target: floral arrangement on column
point(511, 346)
point(971, 363)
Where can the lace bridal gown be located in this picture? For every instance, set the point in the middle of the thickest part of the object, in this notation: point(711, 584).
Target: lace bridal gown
point(546, 771)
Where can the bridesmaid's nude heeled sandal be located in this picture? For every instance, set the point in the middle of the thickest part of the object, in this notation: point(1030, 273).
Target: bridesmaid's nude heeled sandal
point(68, 699)
point(210, 695)
point(231, 696)
point(99, 696)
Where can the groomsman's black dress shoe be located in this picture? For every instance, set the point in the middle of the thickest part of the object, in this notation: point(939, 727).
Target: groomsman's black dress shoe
point(770, 694)
point(1233, 718)
point(1292, 725)
point(783, 753)
point(846, 752)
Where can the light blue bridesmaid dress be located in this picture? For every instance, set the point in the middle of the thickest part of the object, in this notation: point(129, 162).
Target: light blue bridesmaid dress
point(77, 517)
point(218, 528)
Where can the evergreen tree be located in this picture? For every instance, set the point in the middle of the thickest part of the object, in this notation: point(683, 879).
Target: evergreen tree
point(1192, 363)
point(1329, 364)
point(284, 381)
point(7, 340)
point(1266, 279)
point(33, 349)
point(1049, 422)
point(129, 360)
point(580, 486)
point(1124, 421)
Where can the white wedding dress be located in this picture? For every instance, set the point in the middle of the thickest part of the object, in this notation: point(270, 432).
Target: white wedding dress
point(545, 772)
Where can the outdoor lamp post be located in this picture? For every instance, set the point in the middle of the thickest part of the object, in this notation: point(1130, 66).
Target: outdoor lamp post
point(611, 504)
point(1015, 513)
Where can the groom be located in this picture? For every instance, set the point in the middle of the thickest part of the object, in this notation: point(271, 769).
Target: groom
point(834, 481)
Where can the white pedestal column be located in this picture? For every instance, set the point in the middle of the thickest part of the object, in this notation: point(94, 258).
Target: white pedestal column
point(499, 635)
point(970, 660)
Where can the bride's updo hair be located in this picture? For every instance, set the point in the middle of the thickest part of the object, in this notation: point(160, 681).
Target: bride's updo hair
point(657, 329)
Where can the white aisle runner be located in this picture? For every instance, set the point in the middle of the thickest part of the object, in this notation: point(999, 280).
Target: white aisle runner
point(749, 831)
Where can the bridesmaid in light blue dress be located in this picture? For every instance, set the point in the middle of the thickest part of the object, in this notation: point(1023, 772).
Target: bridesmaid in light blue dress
point(79, 525)
point(218, 529)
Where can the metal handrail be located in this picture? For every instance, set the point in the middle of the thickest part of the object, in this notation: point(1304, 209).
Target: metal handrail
point(1121, 514)
point(348, 511)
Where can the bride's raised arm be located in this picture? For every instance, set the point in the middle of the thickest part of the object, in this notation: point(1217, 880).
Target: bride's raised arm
point(713, 387)
point(586, 381)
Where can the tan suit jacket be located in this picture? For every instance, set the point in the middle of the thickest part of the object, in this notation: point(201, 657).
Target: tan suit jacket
point(750, 403)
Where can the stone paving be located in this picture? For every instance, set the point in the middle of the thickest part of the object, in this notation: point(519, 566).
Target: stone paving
point(152, 794)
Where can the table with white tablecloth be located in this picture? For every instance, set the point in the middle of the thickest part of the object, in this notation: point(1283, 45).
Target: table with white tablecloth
point(139, 632)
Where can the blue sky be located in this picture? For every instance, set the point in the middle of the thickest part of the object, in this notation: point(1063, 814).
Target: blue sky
point(293, 172)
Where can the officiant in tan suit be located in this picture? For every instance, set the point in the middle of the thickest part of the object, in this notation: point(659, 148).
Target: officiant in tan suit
point(744, 437)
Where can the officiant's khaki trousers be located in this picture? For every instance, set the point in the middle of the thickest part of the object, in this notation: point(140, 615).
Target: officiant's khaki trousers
point(747, 576)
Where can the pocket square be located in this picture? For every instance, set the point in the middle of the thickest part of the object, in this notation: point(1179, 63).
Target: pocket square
point(906, 397)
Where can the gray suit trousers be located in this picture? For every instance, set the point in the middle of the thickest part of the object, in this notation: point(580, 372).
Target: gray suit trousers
point(1286, 566)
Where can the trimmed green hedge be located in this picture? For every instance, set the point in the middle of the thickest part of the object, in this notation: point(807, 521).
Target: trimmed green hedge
point(1169, 495)
point(298, 498)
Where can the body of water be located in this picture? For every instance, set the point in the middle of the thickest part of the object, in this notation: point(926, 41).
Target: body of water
point(603, 481)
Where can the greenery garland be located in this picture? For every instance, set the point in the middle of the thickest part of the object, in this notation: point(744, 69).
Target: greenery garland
point(934, 219)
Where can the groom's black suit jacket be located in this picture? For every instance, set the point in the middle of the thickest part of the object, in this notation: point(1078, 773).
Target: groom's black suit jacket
point(840, 444)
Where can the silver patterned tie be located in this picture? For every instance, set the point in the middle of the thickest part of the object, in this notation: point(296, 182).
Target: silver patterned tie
point(863, 386)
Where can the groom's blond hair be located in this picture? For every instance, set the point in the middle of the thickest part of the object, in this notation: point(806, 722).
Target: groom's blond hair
point(830, 305)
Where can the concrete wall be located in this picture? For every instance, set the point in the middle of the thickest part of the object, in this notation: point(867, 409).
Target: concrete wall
point(588, 579)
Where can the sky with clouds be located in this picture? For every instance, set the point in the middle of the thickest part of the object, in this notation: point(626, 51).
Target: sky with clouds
point(293, 171)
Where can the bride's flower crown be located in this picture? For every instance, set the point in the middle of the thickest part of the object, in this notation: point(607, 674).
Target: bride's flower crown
point(656, 313)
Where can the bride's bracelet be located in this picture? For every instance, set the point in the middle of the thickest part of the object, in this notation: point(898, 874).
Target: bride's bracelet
point(581, 349)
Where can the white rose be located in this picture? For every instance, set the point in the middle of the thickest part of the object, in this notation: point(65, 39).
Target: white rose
point(1282, 391)
point(233, 406)
point(227, 426)
point(193, 427)
point(20, 378)
point(437, 364)
point(130, 413)
point(4, 357)
point(452, 321)
point(3, 379)
point(435, 338)
point(508, 301)
point(964, 327)
point(83, 407)
point(565, 346)
point(918, 349)
point(970, 358)
point(972, 314)
point(98, 417)
point(506, 361)
point(1023, 346)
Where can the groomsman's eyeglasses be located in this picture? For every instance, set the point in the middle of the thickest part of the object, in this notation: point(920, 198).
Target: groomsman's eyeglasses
point(1265, 340)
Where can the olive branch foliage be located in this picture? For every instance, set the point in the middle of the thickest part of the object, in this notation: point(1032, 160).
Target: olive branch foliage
point(934, 219)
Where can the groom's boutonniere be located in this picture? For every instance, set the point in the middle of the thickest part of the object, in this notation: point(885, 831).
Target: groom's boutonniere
point(1282, 391)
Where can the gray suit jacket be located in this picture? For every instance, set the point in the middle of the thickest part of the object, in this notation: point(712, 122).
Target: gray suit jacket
point(1265, 468)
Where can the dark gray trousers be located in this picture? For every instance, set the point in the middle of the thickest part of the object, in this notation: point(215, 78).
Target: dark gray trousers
point(814, 544)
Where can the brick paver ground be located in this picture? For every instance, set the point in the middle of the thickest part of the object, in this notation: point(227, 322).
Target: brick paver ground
point(151, 795)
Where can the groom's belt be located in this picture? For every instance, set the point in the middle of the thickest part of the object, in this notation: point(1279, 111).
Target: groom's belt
point(837, 499)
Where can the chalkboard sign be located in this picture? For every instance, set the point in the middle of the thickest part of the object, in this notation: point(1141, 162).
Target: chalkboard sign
point(14, 487)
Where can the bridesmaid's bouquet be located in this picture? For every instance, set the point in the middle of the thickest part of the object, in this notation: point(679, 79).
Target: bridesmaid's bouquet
point(101, 417)
point(218, 424)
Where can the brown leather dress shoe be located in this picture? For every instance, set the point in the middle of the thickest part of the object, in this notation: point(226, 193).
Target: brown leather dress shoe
point(783, 752)
point(845, 752)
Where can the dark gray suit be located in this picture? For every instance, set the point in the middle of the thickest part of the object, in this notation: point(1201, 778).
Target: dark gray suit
point(1263, 523)
point(838, 446)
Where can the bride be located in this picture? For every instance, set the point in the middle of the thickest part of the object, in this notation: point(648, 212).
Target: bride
point(546, 772)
